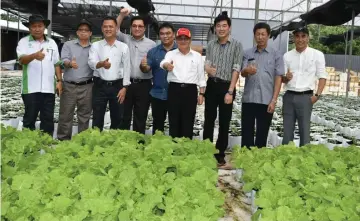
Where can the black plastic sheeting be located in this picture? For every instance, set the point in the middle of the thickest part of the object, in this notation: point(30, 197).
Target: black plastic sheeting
point(332, 13)
point(331, 39)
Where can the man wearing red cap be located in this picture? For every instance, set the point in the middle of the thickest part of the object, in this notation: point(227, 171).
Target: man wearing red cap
point(185, 72)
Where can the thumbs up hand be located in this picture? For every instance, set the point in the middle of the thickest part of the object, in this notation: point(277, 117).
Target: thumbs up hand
point(73, 63)
point(39, 55)
point(169, 66)
point(144, 62)
point(107, 64)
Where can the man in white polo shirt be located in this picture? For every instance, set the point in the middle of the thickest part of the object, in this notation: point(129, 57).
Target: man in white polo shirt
point(39, 57)
point(304, 65)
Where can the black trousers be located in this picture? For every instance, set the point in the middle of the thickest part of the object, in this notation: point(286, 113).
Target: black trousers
point(104, 92)
point(43, 103)
point(138, 101)
point(182, 101)
point(214, 99)
point(250, 113)
point(159, 110)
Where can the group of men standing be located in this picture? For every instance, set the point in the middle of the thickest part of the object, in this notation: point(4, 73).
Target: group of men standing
point(130, 73)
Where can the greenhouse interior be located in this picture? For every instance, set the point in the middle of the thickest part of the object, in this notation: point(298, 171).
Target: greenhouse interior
point(118, 174)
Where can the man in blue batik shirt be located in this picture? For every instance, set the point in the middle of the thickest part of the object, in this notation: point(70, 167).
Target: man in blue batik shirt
point(159, 89)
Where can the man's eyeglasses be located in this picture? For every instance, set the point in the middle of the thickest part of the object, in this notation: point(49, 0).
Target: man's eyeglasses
point(83, 30)
point(137, 26)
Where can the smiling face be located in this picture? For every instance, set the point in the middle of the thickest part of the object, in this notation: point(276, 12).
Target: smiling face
point(183, 42)
point(37, 29)
point(109, 29)
point(301, 41)
point(138, 28)
point(222, 29)
point(83, 32)
point(167, 36)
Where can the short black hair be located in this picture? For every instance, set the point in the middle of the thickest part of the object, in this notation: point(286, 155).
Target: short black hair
point(222, 17)
point(167, 25)
point(261, 25)
point(109, 18)
point(137, 18)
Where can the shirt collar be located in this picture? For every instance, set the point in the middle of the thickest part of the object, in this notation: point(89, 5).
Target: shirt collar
point(142, 38)
point(31, 38)
point(230, 39)
point(255, 49)
point(163, 48)
point(78, 42)
point(106, 43)
point(190, 52)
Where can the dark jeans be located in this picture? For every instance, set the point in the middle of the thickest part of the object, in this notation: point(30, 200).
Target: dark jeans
point(159, 110)
point(138, 101)
point(214, 98)
point(43, 103)
point(104, 92)
point(251, 112)
point(182, 101)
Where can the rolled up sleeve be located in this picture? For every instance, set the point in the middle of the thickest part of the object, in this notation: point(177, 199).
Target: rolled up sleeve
point(238, 58)
point(279, 64)
point(167, 59)
point(201, 73)
point(122, 37)
point(320, 66)
point(127, 67)
point(93, 57)
point(244, 61)
point(21, 48)
point(66, 52)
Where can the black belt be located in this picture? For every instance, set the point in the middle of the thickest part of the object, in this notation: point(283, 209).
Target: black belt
point(135, 80)
point(81, 82)
point(218, 80)
point(300, 92)
point(183, 84)
point(108, 83)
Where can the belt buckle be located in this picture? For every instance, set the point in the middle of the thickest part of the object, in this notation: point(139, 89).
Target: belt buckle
point(109, 83)
point(182, 85)
point(135, 80)
point(216, 80)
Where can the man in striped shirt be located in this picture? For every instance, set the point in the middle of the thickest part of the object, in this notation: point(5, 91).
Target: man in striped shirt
point(223, 62)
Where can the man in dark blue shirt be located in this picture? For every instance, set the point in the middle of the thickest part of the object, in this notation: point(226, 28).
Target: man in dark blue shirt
point(159, 89)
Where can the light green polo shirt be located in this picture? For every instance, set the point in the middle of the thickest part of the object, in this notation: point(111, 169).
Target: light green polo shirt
point(38, 76)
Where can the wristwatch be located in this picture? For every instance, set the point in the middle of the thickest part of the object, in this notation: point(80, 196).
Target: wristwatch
point(317, 95)
point(126, 86)
point(230, 92)
point(58, 80)
point(202, 94)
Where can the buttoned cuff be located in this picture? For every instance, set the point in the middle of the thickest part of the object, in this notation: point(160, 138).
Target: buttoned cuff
point(236, 67)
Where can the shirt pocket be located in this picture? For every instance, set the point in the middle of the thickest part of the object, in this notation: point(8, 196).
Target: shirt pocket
point(270, 67)
point(49, 54)
point(193, 66)
point(310, 66)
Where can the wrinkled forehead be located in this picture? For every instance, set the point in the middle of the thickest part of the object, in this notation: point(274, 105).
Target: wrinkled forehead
point(37, 24)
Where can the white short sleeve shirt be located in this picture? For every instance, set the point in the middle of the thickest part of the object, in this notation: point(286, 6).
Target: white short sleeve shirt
point(38, 76)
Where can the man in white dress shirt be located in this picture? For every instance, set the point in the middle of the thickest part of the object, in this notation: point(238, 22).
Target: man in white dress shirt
point(304, 65)
point(185, 72)
point(110, 60)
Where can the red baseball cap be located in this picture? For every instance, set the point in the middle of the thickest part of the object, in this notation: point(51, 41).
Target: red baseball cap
point(183, 32)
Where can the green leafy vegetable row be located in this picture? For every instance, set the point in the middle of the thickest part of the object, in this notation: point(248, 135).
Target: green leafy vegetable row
point(302, 184)
point(113, 175)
